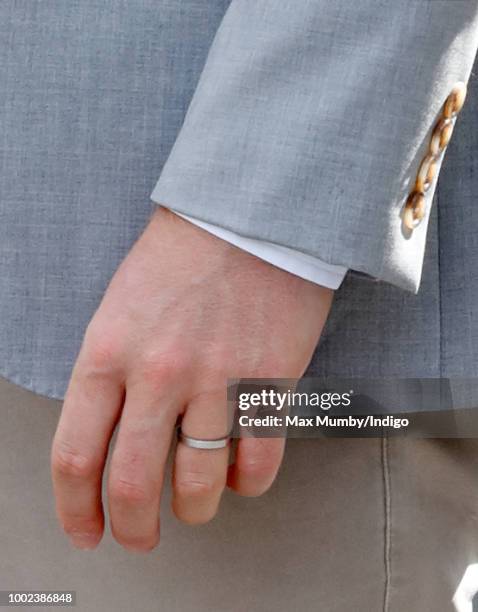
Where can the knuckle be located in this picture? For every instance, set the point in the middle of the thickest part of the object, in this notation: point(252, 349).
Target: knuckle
point(267, 451)
point(101, 348)
point(71, 463)
point(156, 375)
point(258, 467)
point(196, 486)
point(129, 492)
point(161, 369)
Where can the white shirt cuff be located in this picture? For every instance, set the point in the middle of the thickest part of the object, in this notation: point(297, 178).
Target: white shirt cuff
point(306, 266)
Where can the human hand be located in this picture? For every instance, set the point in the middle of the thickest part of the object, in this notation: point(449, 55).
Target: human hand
point(184, 312)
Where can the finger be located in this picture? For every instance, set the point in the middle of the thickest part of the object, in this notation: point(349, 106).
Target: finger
point(256, 464)
point(199, 475)
point(90, 411)
point(137, 466)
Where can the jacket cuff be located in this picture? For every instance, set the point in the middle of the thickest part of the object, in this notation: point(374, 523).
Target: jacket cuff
point(297, 263)
point(312, 122)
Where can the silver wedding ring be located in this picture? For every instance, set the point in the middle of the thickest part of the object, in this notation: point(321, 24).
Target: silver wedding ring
point(203, 444)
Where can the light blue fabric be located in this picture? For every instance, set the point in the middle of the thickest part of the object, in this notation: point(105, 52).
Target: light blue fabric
point(310, 122)
point(93, 93)
point(93, 97)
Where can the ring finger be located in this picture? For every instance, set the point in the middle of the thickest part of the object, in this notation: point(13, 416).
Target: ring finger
point(199, 475)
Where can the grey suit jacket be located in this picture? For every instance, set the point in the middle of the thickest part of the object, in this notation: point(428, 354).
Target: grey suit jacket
point(302, 122)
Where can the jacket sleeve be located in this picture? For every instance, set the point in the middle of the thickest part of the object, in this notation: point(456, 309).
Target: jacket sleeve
point(321, 126)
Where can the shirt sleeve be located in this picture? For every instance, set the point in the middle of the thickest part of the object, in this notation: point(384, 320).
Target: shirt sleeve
point(306, 266)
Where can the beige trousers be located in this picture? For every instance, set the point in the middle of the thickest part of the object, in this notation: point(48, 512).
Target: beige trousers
point(351, 525)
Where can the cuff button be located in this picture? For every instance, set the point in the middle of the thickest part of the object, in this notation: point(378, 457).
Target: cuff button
point(414, 210)
point(455, 101)
point(415, 207)
point(426, 174)
point(441, 136)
